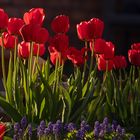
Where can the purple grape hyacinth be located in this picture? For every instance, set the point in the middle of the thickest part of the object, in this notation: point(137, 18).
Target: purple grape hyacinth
point(23, 122)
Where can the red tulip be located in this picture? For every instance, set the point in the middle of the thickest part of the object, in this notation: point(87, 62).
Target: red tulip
point(99, 46)
point(104, 64)
point(34, 16)
point(24, 49)
point(32, 32)
point(14, 25)
point(83, 31)
point(89, 30)
point(134, 57)
point(38, 49)
point(109, 50)
point(60, 24)
point(56, 54)
point(2, 130)
point(3, 19)
point(119, 62)
point(60, 42)
point(98, 27)
point(58, 48)
point(135, 46)
point(76, 56)
point(9, 41)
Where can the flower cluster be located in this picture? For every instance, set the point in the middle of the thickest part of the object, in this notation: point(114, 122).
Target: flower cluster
point(60, 130)
point(22, 129)
point(101, 130)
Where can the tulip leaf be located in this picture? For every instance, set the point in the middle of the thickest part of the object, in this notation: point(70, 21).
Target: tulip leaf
point(9, 82)
point(67, 101)
point(10, 110)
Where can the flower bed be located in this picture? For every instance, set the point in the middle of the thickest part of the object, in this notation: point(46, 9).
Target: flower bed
point(100, 85)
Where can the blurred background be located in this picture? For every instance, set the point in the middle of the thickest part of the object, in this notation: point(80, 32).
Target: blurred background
point(121, 17)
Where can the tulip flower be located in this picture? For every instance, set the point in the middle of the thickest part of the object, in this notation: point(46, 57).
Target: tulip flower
point(104, 64)
point(98, 27)
point(89, 30)
point(134, 57)
point(2, 130)
point(14, 25)
point(34, 16)
point(109, 50)
point(58, 47)
point(24, 49)
point(38, 49)
point(35, 33)
point(60, 24)
point(60, 41)
point(3, 19)
point(57, 55)
point(8, 41)
point(135, 46)
point(119, 62)
point(76, 56)
point(99, 46)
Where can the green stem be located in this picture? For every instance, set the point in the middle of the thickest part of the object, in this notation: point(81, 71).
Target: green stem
point(15, 53)
point(3, 66)
point(30, 79)
point(85, 64)
point(55, 75)
point(91, 59)
point(36, 60)
point(61, 74)
point(120, 79)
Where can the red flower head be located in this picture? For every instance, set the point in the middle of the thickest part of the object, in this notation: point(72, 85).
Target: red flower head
point(98, 27)
point(104, 64)
point(99, 46)
point(134, 57)
point(135, 46)
point(24, 49)
point(90, 30)
point(76, 56)
point(60, 24)
point(9, 41)
point(119, 62)
point(39, 49)
point(109, 50)
point(83, 31)
point(34, 16)
point(14, 25)
point(2, 130)
point(33, 32)
point(60, 41)
point(58, 48)
point(3, 19)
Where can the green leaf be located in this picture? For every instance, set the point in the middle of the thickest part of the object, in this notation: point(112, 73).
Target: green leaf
point(47, 69)
point(7, 138)
point(9, 82)
point(67, 101)
point(10, 110)
point(85, 102)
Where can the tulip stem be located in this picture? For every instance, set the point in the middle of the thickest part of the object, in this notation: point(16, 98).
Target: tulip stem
point(3, 66)
point(55, 75)
point(30, 78)
point(15, 53)
point(35, 61)
point(120, 79)
point(91, 62)
point(85, 64)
